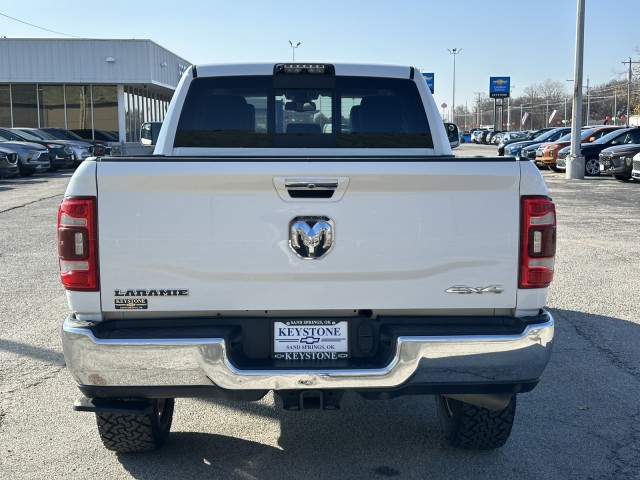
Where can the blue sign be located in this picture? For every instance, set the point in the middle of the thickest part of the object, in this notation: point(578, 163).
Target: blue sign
point(499, 87)
point(428, 77)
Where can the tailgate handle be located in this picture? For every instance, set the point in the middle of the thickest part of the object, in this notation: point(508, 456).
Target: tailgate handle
point(311, 188)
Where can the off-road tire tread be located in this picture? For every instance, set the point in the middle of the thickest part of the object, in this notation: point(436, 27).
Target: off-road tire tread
point(132, 433)
point(478, 428)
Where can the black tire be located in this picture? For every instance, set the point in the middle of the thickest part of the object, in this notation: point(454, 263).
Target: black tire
point(623, 178)
point(554, 168)
point(592, 167)
point(475, 428)
point(136, 433)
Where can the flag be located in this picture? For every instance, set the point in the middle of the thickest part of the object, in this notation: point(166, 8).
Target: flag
point(524, 118)
point(553, 114)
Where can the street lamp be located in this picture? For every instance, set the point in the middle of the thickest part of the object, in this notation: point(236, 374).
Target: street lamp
point(630, 62)
point(454, 52)
point(293, 48)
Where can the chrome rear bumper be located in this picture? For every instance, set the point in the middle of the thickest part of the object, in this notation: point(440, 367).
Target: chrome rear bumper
point(450, 360)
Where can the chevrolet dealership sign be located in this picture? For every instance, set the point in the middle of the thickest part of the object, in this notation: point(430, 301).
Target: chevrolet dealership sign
point(499, 87)
point(428, 77)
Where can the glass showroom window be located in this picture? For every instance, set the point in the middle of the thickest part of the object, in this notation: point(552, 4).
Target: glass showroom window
point(25, 105)
point(5, 106)
point(78, 106)
point(105, 107)
point(51, 106)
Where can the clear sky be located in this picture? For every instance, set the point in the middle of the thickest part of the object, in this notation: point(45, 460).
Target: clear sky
point(528, 40)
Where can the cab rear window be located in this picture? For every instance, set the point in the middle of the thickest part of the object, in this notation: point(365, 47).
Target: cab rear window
point(340, 112)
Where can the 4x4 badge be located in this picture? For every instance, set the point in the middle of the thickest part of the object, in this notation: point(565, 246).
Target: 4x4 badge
point(311, 237)
point(463, 289)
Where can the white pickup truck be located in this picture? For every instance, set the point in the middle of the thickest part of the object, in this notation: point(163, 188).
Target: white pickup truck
point(305, 229)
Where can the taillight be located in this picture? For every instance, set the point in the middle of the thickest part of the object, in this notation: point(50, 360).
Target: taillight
point(537, 242)
point(78, 243)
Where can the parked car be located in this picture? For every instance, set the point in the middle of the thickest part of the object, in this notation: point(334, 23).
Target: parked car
point(61, 154)
point(591, 150)
point(487, 138)
point(516, 149)
point(547, 153)
point(484, 135)
point(81, 148)
point(618, 161)
point(465, 137)
point(476, 135)
point(512, 137)
point(8, 163)
point(100, 147)
point(32, 157)
point(635, 172)
point(531, 134)
point(496, 137)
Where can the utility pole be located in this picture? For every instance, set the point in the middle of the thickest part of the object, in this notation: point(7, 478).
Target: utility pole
point(532, 111)
point(511, 87)
point(588, 103)
point(575, 160)
point(521, 114)
point(626, 119)
point(466, 109)
point(546, 113)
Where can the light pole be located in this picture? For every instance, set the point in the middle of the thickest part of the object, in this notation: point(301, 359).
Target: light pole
point(511, 87)
point(454, 52)
point(293, 49)
point(575, 160)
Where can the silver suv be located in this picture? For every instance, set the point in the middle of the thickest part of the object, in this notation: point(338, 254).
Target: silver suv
point(32, 157)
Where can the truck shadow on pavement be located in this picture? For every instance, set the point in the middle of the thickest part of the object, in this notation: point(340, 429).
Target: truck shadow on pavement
point(11, 183)
point(37, 353)
point(310, 444)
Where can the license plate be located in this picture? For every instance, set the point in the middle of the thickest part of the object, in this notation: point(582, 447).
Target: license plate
point(301, 340)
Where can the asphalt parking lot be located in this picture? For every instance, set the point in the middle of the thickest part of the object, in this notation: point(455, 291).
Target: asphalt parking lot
point(581, 422)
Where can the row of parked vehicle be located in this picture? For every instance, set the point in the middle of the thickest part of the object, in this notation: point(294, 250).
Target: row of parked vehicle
point(607, 149)
point(25, 151)
point(495, 137)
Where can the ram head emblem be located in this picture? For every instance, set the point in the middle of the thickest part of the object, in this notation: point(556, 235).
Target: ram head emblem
point(311, 237)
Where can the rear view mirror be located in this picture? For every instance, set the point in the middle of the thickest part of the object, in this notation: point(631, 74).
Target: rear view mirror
point(149, 132)
point(453, 134)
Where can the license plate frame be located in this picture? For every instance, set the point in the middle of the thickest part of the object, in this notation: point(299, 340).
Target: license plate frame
point(310, 340)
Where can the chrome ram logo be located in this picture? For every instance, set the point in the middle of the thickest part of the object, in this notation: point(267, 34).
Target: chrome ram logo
point(311, 237)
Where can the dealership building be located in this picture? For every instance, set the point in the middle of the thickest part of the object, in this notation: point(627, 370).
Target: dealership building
point(96, 85)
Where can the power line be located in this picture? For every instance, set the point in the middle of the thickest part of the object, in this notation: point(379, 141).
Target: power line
point(36, 26)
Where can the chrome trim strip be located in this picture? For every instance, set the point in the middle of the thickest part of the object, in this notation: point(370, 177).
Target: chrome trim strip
point(173, 362)
point(311, 184)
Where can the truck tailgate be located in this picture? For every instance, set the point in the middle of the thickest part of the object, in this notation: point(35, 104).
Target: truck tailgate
point(205, 235)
